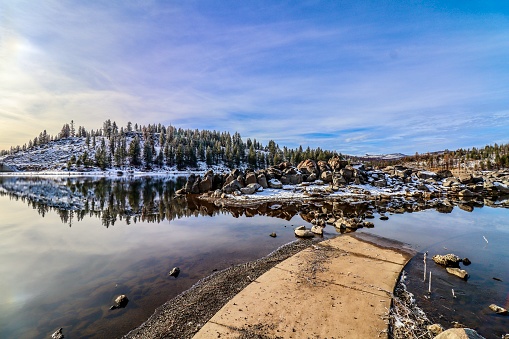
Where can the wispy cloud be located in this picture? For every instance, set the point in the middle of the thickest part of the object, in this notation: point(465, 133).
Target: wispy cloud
point(359, 78)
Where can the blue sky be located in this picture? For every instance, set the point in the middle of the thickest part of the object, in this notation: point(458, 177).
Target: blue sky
point(353, 76)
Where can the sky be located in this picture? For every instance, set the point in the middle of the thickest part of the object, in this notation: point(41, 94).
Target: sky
point(356, 77)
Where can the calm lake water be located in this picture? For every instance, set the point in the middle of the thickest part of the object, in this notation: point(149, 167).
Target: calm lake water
point(69, 246)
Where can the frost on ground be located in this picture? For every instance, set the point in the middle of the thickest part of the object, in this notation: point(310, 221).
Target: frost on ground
point(406, 319)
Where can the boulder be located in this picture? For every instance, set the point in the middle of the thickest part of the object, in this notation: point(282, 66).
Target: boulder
point(497, 309)
point(347, 174)
point(457, 272)
point(206, 183)
point(250, 189)
point(217, 182)
point(459, 333)
point(285, 165)
point(338, 180)
point(196, 186)
point(312, 177)
point(188, 187)
point(427, 175)
point(232, 187)
point(307, 167)
point(465, 178)
point(294, 179)
point(175, 271)
point(316, 229)
point(323, 166)
point(302, 232)
point(262, 180)
point(336, 164)
point(120, 302)
point(274, 183)
point(326, 176)
point(448, 260)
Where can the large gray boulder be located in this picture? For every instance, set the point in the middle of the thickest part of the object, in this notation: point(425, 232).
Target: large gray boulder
point(250, 178)
point(262, 180)
point(206, 182)
point(232, 187)
point(250, 189)
point(274, 183)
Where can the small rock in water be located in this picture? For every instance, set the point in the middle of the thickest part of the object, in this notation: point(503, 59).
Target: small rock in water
point(497, 309)
point(58, 334)
point(466, 261)
point(175, 271)
point(457, 272)
point(448, 260)
point(384, 217)
point(273, 234)
point(120, 302)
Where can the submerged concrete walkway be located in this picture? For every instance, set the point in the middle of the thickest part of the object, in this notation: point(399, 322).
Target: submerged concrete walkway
point(339, 288)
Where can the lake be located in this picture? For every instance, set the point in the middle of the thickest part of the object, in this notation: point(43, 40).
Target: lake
point(69, 246)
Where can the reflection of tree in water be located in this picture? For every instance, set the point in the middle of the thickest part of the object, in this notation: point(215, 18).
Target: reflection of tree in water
point(152, 199)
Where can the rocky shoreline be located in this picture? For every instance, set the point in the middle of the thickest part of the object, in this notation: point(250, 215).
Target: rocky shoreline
point(336, 177)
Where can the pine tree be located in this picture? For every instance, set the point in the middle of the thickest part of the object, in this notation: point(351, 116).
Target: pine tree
point(135, 152)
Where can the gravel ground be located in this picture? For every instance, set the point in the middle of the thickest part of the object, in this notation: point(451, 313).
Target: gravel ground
point(185, 314)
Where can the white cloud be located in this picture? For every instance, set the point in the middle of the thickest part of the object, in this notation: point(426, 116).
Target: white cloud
point(269, 77)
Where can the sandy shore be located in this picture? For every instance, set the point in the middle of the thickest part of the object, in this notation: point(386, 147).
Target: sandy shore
point(358, 271)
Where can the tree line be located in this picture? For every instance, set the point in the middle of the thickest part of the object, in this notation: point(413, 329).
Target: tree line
point(157, 146)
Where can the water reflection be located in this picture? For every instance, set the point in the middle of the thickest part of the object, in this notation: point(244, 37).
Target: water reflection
point(54, 276)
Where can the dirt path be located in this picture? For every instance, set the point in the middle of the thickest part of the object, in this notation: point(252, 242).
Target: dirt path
point(339, 288)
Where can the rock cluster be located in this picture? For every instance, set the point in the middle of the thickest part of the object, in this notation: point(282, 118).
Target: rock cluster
point(452, 264)
point(335, 174)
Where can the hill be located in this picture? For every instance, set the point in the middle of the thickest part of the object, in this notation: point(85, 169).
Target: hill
point(149, 148)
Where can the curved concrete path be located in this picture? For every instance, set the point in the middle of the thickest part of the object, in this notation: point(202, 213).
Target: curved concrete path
point(339, 288)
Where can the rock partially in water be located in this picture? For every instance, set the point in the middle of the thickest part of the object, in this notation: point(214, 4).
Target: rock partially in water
point(273, 234)
point(459, 333)
point(302, 232)
point(316, 229)
point(466, 261)
point(497, 309)
point(120, 302)
point(448, 260)
point(435, 329)
point(58, 334)
point(384, 217)
point(175, 271)
point(457, 272)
